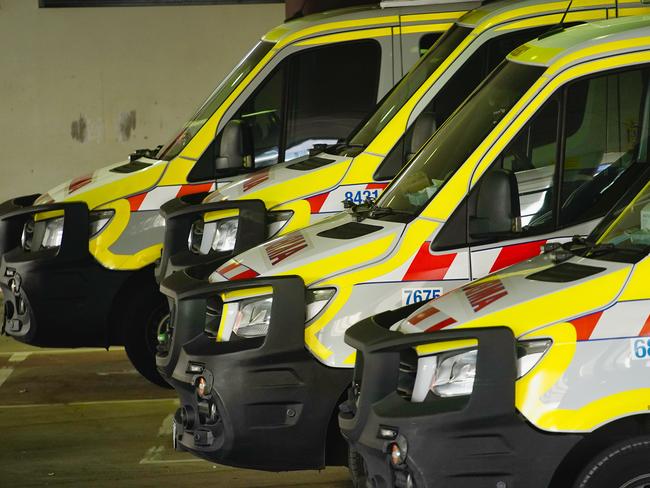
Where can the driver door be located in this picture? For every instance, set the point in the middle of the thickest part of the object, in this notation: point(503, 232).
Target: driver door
point(561, 173)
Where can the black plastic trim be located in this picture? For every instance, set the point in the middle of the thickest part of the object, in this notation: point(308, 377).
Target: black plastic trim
point(55, 297)
point(274, 399)
point(181, 213)
point(479, 442)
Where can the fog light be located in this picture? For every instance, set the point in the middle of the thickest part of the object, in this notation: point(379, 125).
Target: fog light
point(201, 386)
point(398, 451)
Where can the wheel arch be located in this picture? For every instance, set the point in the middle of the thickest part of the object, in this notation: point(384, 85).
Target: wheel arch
point(594, 442)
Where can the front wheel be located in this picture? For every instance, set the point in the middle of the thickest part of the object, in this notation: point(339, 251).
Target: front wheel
point(623, 465)
point(142, 316)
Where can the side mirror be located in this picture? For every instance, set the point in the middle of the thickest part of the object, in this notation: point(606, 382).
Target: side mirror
point(497, 206)
point(235, 148)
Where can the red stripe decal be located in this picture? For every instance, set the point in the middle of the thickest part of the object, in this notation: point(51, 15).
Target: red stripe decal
point(80, 182)
point(227, 267)
point(585, 325)
point(376, 186)
point(424, 314)
point(426, 266)
point(136, 200)
point(249, 273)
point(190, 189)
point(256, 179)
point(519, 252)
point(441, 325)
point(645, 331)
point(316, 202)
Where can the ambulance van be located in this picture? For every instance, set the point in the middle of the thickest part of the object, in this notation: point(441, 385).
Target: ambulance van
point(78, 261)
point(290, 196)
point(537, 375)
point(525, 160)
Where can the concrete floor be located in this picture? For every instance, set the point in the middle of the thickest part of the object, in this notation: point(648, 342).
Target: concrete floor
point(86, 418)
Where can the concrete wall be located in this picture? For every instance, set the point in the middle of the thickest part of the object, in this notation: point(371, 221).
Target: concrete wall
point(82, 87)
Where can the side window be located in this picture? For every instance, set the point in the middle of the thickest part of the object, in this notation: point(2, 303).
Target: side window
point(262, 115)
point(428, 40)
point(332, 89)
point(515, 195)
point(603, 120)
point(468, 76)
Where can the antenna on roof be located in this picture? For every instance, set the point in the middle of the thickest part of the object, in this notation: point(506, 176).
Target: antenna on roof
point(568, 7)
point(559, 27)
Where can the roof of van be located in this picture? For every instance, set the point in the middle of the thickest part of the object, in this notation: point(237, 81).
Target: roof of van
point(494, 13)
point(368, 16)
point(587, 41)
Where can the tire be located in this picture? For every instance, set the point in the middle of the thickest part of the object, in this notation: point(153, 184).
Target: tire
point(358, 470)
point(623, 465)
point(143, 311)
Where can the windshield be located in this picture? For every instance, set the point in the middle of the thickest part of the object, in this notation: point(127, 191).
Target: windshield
point(219, 95)
point(629, 227)
point(405, 89)
point(457, 139)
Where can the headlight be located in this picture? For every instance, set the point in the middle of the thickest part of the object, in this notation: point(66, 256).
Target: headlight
point(253, 317)
point(277, 221)
point(49, 233)
point(53, 233)
point(452, 374)
point(220, 235)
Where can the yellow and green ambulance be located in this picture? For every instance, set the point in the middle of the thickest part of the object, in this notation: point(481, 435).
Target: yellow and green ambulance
point(538, 375)
point(78, 261)
point(537, 154)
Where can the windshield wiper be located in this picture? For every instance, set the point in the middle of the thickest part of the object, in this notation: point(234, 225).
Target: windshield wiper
point(577, 246)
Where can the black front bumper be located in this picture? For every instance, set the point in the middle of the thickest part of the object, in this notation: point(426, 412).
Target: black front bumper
point(182, 212)
point(54, 297)
point(272, 401)
point(479, 441)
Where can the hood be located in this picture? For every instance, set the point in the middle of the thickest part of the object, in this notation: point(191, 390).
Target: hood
point(524, 297)
point(317, 252)
point(288, 181)
point(107, 184)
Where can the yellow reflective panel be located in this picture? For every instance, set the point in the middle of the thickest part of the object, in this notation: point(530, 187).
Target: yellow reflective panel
point(363, 168)
point(229, 296)
point(431, 17)
point(530, 389)
point(301, 215)
point(637, 286)
point(220, 214)
point(438, 347)
point(346, 36)
point(415, 234)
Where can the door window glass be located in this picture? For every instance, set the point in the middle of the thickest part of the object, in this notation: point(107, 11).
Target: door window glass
point(262, 115)
point(515, 196)
point(332, 89)
point(428, 40)
point(602, 150)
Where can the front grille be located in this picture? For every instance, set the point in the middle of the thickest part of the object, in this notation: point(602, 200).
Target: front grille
point(408, 368)
point(27, 237)
point(196, 236)
point(213, 312)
